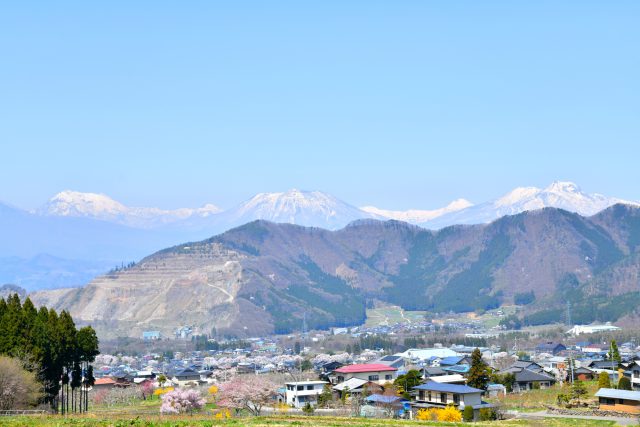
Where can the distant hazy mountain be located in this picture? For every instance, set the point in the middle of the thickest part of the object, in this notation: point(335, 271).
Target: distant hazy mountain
point(563, 195)
point(81, 232)
point(416, 216)
point(102, 207)
point(308, 208)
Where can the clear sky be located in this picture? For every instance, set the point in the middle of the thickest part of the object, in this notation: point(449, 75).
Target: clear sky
point(399, 104)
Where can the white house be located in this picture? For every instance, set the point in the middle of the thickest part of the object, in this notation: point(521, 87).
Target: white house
point(298, 393)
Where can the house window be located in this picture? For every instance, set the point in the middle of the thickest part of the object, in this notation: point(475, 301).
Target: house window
point(309, 387)
point(300, 387)
point(387, 377)
point(456, 398)
point(340, 379)
point(429, 398)
point(374, 377)
point(443, 397)
point(621, 401)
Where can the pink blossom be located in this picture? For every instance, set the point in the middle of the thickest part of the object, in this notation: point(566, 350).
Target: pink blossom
point(181, 401)
point(250, 392)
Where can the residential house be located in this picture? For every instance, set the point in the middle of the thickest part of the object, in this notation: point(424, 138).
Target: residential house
point(104, 383)
point(432, 371)
point(449, 379)
point(186, 377)
point(357, 386)
point(633, 373)
point(374, 372)
point(611, 399)
point(299, 393)
point(433, 394)
point(550, 347)
point(380, 406)
point(584, 374)
point(529, 380)
point(391, 360)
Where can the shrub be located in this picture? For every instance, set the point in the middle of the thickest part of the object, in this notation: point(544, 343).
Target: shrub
point(307, 409)
point(487, 414)
point(467, 414)
point(450, 413)
point(429, 414)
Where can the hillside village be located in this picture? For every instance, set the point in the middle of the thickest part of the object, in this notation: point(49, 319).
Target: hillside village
point(377, 382)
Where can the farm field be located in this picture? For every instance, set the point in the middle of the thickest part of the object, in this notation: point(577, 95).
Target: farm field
point(391, 315)
point(272, 421)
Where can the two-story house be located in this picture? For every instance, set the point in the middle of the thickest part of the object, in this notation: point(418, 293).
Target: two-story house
point(298, 393)
point(372, 372)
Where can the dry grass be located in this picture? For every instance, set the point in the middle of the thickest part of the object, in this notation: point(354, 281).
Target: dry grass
point(535, 400)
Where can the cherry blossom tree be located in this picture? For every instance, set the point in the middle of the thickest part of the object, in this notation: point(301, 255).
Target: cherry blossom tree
point(250, 392)
point(181, 401)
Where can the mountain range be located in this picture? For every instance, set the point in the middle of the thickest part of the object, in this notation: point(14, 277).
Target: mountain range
point(264, 277)
point(81, 233)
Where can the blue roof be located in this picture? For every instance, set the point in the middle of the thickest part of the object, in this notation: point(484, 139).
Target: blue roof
point(447, 388)
point(379, 398)
point(450, 360)
point(457, 368)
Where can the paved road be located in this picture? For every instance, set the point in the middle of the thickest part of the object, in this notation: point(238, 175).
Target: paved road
point(544, 414)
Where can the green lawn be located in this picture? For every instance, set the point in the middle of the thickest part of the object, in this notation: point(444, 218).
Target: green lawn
point(274, 421)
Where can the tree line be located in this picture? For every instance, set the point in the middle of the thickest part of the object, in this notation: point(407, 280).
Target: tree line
point(49, 345)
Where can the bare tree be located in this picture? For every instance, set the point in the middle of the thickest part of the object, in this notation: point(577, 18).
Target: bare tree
point(18, 387)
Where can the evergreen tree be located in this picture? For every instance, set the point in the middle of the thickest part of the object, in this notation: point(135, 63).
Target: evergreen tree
point(52, 348)
point(624, 384)
point(614, 353)
point(603, 380)
point(479, 371)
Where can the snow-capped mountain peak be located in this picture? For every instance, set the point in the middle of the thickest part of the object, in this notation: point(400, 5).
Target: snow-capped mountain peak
point(417, 215)
point(311, 208)
point(102, 207)
point(559, 194)
point(75, 203)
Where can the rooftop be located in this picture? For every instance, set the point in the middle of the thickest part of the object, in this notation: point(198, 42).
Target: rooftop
point(366, 367)
point(613, 393)
point(447, 388)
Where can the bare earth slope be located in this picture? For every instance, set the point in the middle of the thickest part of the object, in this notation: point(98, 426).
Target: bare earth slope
point(264, 277)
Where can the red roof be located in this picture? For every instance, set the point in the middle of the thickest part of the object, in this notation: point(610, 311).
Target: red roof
point(104, 381)
point(367, 367)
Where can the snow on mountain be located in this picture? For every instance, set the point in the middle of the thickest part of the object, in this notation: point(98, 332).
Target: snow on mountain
point(102, 207)
point(563, 195)
point(417, 216)
point(308, 208)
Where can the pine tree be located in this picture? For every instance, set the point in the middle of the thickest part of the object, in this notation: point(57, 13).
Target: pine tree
point(479, 372)
point(614, 353)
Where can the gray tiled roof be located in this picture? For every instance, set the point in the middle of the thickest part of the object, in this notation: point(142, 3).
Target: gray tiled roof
point(613, 393)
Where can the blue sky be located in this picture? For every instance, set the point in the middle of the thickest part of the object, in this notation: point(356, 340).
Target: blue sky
point(395, 104)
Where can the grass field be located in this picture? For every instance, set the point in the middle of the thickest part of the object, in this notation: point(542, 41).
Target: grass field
point(275, 421)
point(391, 315)
point(535, 400)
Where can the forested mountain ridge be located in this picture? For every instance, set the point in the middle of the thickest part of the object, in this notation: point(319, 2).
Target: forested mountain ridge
point(264, 277)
